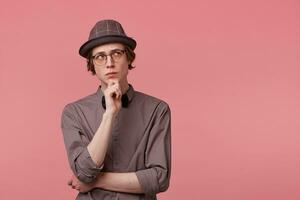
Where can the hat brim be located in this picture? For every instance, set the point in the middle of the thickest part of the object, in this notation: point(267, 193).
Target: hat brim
point(90, 44)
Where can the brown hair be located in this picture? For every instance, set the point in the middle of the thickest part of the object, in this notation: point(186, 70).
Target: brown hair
point(129, 54)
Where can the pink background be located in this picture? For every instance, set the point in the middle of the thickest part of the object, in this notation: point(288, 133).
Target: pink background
point(228, 69)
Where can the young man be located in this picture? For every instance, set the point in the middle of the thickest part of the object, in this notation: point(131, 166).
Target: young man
point(118, 140)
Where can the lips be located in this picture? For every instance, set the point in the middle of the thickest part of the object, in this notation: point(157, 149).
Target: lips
point(110, 73)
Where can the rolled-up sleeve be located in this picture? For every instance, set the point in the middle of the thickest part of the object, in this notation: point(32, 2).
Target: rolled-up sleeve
point(76, 143)
point(156, 177)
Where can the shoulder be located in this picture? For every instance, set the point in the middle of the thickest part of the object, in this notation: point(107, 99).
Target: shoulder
point(86, 102)
point(156, 110)
point(151, 101)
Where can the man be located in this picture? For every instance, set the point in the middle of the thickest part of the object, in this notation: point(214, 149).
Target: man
point(118, 140)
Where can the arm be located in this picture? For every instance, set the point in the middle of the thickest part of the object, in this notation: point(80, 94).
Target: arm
point(119, 182)
point(86, 157)
point(155, 177)
point(98, 146)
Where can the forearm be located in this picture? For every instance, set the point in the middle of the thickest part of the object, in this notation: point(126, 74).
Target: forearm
point(98, 146)
point(119, 182)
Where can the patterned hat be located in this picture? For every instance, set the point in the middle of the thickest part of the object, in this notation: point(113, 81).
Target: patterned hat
point(106, 31)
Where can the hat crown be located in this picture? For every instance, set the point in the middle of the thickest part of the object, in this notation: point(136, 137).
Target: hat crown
point(105, 32)
point(106, 27)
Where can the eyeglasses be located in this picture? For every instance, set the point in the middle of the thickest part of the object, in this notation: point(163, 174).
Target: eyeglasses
point(101, 58)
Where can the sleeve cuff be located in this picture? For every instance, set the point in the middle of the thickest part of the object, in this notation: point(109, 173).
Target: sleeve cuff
point(87, 170)
point(148, 181)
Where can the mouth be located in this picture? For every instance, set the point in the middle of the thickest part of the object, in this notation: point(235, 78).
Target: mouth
point(110, 74)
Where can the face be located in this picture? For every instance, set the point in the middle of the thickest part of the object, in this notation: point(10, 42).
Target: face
point(113, 69)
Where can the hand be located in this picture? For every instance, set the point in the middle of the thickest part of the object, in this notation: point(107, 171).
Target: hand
point(78, 185)
point(113, 96)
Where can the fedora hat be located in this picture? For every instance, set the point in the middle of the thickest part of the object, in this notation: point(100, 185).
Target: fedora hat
point(104, 32)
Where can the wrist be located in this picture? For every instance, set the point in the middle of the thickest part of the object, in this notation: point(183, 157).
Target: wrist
point(100, 182)
point(109, 114)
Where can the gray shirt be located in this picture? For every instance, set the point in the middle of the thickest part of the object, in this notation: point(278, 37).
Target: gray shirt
point(140, 142)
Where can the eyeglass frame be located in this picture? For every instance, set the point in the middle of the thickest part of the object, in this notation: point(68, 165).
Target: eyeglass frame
point(106, 55)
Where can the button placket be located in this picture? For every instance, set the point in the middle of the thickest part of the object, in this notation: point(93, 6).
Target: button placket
point(115, 140)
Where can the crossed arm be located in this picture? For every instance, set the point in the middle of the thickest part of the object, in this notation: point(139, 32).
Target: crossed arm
point(120, 182)
point(87, 161)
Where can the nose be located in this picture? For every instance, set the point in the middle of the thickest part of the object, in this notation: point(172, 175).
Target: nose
point(109, 62)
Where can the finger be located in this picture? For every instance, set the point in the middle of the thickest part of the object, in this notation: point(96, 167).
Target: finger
point(115, 86)
point(112, 85)
point(113, 94)
point(112, 82)
point(119, 93)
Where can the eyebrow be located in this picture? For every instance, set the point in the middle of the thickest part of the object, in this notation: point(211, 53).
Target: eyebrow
point(103, 52)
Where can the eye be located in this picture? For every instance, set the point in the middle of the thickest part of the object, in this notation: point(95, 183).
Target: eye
point(100, 57)
point(117, 54)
